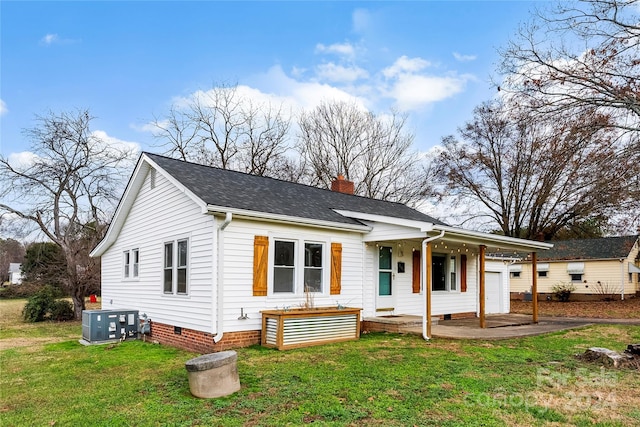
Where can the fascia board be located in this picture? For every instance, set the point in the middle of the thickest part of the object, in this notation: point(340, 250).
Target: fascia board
point(504, 242)
point(287, 219)
point(129, 196)
point(420, 225)
point(126, 201)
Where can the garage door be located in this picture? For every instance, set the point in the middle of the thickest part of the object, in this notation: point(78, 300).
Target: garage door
point(493, 292)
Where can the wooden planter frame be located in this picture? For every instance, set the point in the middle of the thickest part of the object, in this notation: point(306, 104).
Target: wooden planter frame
point(286, 329)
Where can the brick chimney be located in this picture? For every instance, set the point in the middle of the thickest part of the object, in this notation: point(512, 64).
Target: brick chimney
point(341, 185)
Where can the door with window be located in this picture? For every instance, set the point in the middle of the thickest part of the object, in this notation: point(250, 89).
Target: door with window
point(385, 294)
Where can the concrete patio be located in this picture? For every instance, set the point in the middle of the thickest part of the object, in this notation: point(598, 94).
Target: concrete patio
point(499, 326)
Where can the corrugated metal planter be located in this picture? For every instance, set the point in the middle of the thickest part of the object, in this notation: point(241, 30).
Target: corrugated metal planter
point(285, 329)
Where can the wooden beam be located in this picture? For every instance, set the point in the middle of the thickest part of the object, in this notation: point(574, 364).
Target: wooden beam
point(534, 285)
point(427, 286)
point(481, 260)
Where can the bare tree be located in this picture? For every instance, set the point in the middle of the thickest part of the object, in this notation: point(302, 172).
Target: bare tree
point(71, 177)
point(221, 127)
point(534, 177)
point(339, 138)
point(581, 54)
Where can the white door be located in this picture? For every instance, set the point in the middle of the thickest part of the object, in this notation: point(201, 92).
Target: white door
point(492, 292)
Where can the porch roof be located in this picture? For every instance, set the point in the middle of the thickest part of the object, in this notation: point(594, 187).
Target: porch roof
point(423, 230)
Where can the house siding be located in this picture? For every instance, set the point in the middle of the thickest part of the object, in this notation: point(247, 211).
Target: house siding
point(237, 262)
point(607, 272)
point(159, 215)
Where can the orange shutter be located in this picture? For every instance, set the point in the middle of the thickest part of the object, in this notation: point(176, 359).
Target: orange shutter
point(416, 272)
point(260, 265)
point(336, 268)
point(463, 273)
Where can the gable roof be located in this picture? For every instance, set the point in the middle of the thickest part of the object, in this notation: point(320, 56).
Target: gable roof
point(238, 190)
point(602, 248)
point(223, 191)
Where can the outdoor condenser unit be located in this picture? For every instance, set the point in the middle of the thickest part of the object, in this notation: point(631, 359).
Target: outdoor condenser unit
point(109, 325)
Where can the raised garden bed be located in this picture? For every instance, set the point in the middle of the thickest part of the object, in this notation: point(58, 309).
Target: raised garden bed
point(286, 329)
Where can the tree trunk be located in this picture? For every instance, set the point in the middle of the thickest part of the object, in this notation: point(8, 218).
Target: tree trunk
point(77, 296)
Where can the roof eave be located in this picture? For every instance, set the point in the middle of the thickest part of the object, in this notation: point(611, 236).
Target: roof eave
point(288, 219)
point(502, 242)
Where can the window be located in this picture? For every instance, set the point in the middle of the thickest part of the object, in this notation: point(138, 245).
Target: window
point(284, 268)
point(515, 274)
point(298, 266)
point(452, 273)
point(576, 277)
point(313, 267)
point(444, 271)
point(131, 261)
point(543, 273)
point(175, 267)
point(384, 271)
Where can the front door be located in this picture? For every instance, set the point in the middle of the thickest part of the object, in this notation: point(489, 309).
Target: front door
point(385, 295)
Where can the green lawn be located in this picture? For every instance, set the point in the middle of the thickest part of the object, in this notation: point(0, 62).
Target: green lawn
point(48, 378)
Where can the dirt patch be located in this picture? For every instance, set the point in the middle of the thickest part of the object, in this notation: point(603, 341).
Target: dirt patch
point(33, 344)
point(627, 309)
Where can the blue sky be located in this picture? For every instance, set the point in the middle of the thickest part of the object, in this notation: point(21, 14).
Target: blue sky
point(128, 61)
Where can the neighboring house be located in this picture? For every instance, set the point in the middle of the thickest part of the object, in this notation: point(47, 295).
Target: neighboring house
point(15, 275)
point(202, 251)
point(607, 267)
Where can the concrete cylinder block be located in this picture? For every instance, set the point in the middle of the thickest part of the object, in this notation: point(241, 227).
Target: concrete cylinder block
point(214, 374)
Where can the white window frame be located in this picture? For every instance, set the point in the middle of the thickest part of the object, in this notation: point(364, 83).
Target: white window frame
point(322, 267)
point(298, 266)
point(130, 268)
point(176, 267)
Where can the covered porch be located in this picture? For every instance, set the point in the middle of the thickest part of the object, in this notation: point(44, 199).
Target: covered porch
point(448, 276)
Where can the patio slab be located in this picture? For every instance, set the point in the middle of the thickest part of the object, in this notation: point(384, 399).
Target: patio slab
point(499, 326)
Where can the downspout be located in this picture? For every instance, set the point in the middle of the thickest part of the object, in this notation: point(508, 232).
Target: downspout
point(426, 311)
point(622, 279)
point(227, 220)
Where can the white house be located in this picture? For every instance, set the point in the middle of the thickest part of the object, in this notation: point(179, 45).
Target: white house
point(15, 274)
point(203, 251)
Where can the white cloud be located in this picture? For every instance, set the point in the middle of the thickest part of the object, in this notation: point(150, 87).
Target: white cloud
point(338, 73)
point(49, 39)
point(361, 20)
point(54, 39)
point(404, 65)
point(342, 49)
point(22, 160)
point(118, 144)
point(464, 58)
point(3, 108)
point(415, 91)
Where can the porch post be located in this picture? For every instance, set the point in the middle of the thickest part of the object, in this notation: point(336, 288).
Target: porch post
point(534, 285)
point(483, 248)
point(427, 286)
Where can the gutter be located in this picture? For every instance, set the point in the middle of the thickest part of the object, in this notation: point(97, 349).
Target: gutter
point(288, 219)
point(219, 303)
point(426, 308)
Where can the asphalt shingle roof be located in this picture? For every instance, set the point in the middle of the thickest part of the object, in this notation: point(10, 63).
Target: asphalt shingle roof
point(602, 248)
point(226, 188)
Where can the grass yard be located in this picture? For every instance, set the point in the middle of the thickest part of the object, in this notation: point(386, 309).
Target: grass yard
point(48, 378)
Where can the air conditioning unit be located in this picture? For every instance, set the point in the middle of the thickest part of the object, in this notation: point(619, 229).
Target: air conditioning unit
point(102, 326)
